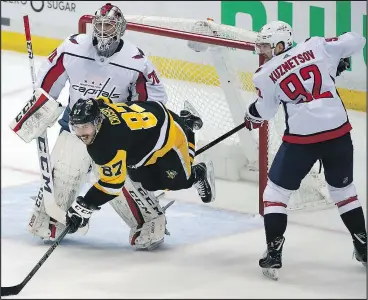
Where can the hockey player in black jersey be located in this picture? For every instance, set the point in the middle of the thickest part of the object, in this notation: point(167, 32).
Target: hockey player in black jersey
point(149, 143)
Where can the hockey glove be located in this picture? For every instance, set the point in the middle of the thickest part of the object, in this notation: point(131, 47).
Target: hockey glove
point(251, 121)
point(78, 214)
point(344, 64)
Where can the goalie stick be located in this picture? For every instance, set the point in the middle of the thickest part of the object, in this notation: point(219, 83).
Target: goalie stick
point(47, 189)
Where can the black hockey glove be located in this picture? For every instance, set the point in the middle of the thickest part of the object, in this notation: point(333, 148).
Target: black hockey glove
point(78, 214)
point(344, 64)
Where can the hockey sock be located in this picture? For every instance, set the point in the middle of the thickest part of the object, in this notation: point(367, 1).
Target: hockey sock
point(354, 220)
point(275, 225)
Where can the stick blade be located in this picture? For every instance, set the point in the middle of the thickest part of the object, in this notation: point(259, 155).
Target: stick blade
point(10, 291)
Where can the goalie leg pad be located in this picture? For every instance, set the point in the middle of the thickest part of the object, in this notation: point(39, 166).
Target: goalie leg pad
point(149, 235)
point(122, 207)
point(142, 212)
point(70, 162)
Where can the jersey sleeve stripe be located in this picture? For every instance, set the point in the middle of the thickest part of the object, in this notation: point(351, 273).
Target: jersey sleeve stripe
point(167, 145)
point(111, 185)
point(108, 191)
point(141, 88)
point(182, 150)
point(53, 74)
point(162, 140)
point(97, 196)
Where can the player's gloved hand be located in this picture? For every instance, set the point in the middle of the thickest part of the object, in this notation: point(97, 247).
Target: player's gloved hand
point(344, 64)
point(78, 214)
point(252, 122)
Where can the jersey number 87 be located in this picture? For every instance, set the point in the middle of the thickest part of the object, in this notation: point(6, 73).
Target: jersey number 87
point(138, 119)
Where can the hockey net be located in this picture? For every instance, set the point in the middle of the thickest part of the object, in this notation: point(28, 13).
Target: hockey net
point(211, 66)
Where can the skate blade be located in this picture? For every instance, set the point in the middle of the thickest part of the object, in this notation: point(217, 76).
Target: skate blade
point(271, 273)
point(168, 205)
point(211, 177)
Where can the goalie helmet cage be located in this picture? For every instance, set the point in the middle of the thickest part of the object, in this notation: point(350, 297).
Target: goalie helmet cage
point(228, 37)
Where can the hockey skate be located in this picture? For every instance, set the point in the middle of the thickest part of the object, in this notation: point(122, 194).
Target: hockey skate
point(360, 247)
point(204, 181)
point(191, 117)
point(272, 258)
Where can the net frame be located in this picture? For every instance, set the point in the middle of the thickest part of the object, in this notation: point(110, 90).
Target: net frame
point(263, 132)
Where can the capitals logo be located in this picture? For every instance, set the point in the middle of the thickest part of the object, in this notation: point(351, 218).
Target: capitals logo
point(96, 89)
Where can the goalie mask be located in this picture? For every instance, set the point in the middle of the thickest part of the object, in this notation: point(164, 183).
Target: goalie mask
point(85, 120)
point(109, 26)
point(270, 35)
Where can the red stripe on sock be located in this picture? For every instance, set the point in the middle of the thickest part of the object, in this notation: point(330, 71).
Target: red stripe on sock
point(269, 203)
point(347, 201)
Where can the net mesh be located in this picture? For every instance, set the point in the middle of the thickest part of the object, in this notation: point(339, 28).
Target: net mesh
point(194, 71)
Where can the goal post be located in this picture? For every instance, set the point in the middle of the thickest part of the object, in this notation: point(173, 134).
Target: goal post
point(211, 66)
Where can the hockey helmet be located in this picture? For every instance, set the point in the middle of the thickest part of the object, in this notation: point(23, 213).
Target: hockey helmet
point(85, 120)
point(109, 26)
point(270, 35)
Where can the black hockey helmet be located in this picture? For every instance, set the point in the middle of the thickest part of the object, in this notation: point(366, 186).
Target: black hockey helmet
point(84, 111)
point(85, 119)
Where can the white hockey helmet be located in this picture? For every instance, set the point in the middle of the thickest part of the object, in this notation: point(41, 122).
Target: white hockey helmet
point(271, 34)
point(109, 26)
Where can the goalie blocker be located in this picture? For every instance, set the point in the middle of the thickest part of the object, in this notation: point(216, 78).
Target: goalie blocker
point(39, 113)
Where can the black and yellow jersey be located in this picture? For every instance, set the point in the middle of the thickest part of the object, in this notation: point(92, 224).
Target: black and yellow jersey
point(131, 135)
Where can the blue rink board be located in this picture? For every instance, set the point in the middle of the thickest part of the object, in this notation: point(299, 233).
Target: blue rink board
point(188, 223)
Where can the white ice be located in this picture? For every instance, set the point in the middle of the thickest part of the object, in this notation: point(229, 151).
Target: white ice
point(212, 252)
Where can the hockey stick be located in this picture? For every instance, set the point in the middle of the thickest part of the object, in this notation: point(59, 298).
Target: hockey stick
point(219, 139)
point(14, 290)
point(47, 188)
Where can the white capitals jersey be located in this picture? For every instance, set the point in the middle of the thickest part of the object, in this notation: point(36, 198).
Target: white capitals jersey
point(126, 75)
point(302, 79)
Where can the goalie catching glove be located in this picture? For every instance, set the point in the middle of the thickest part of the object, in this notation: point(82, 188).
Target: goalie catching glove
point(39, 113)
point(78, 214)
